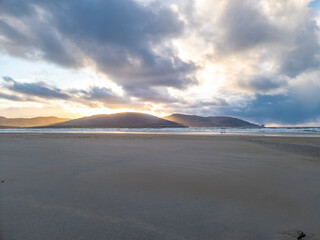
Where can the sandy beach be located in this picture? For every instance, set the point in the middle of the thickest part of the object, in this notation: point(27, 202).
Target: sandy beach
point(158, 186)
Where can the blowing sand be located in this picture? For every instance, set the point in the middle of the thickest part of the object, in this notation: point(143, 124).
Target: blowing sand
point(146, 187)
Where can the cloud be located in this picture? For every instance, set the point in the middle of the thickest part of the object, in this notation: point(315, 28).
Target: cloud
point(154, 95)
point(94, 96)
point(38, 89)
point(244, 26)
point(263, 84)
point(304, 55)
point(299, 104)
point(281, 109)
point(240, 57)
point(122, 39)
point(99, 95)
point(276, 38)
point(202, 107)
point(32, 91)
point(10, 97)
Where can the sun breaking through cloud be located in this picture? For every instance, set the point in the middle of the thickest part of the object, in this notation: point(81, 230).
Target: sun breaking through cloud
point(254, 59)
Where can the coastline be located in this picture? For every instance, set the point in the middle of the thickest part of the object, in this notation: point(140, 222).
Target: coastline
point(272, 132)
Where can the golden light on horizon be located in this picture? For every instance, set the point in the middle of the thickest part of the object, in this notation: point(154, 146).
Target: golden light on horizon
point(79, 111)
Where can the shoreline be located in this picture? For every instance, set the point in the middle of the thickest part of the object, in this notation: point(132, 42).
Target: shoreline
point(193, 132)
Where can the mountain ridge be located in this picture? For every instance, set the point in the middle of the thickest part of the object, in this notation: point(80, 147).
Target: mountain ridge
point(127, 120)
point(210, 121)
point(30, 122)
point(119, 120)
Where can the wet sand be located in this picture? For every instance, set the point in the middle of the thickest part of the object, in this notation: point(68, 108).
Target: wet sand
point(157, 186)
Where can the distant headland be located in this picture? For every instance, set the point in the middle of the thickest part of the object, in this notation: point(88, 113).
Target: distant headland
point(127, 120)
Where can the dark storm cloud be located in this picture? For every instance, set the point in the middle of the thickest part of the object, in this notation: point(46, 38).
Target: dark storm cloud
point(17, 8)
point(40, 42)
point(37, 89)
point(264, 109)
point(119, 37)
point(262, 83)
point(11, 97)
point(45, 91)
point(282, 109)
point(305, 55)
point(300, 105)
point(99, 95)
point(244, 26)
point(96, 93)
point(91, 97)
point(218, 102)
point(120, 22)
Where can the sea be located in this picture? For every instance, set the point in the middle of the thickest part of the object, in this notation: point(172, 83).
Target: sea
point(267, 131)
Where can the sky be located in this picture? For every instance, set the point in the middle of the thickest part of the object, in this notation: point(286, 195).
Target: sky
point(253, 59)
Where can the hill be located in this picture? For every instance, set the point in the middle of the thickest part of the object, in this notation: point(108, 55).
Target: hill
point(119, 120)
point(30, 122)
point(198, 121)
